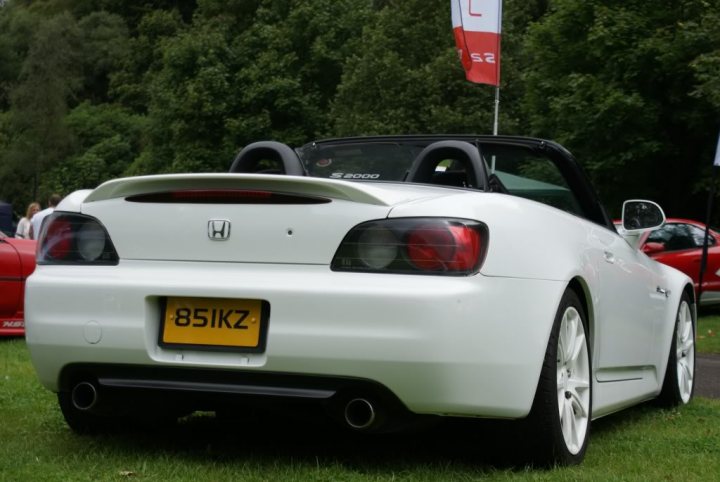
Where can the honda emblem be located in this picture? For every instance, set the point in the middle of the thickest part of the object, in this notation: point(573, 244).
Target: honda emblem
point(219, 229)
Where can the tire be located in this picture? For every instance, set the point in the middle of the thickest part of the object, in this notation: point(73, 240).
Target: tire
point(558, 427)
point(679, 383)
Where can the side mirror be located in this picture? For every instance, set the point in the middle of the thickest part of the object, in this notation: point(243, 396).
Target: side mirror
point(639, 216)
point(652, 248)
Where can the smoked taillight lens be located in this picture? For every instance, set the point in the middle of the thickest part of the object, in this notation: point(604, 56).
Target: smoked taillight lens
point(445, 246)
point(69, 238)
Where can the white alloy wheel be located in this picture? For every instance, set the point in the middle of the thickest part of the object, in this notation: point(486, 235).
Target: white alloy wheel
point(557, 429)
point(685, 352)
point(679, 382)
point(573, 380)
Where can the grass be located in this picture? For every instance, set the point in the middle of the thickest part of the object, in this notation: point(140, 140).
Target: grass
point(708, 333)
point(642, 443)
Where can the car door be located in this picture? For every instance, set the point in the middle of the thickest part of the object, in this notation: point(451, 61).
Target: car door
point(630, 302)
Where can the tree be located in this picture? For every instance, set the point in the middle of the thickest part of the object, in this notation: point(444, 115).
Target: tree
point(105, 138)
point(612, 81)
point(235, 76)
point(17, 26)
point(37, 136)
point(104, 47)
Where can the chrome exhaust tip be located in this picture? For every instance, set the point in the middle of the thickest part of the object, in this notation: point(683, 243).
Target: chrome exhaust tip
point(360, 414)
point(84, 396)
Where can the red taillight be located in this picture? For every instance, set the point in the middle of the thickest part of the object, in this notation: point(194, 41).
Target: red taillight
point(446, 246)
point(58, 239)
point(443, 248)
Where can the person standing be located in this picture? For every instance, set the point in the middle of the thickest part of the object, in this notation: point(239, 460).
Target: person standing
point(36, 221)
point(23, 227)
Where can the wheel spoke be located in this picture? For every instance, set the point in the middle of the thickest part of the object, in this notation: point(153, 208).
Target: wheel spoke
point(580, 408)
point(683, 379)
point(571, 328)
point(567, 421)
point(579, 345)
point(686, 342)
point(685, 375)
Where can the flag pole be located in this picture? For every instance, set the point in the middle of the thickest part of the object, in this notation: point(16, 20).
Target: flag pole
point(703, 259)
point(497, 75)
point(497, 110)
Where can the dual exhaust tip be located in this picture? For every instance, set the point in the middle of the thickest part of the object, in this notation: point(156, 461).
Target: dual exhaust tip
point(359, 414)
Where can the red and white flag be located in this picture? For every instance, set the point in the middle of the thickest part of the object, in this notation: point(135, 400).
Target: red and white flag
point(476, 25)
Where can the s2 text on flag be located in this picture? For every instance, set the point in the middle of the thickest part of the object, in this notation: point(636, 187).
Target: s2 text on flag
point(476, 27)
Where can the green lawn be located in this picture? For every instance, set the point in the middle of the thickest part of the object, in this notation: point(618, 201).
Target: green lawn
point(708, 334)
point(643, 443)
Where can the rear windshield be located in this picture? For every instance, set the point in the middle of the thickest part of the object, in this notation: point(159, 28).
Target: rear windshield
point(522, 171)
point(376, 161)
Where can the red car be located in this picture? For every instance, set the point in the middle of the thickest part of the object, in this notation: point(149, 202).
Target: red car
point(17, 262)
point(679, 244)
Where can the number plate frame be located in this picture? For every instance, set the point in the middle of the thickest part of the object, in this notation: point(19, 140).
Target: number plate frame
point(197, 336)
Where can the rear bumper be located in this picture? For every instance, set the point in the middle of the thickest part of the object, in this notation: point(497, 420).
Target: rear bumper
point(441, 345)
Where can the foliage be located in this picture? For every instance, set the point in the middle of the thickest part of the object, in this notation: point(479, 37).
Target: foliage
point(630, 87)
point(612, 82)
point(37, 139)
point(106, 140)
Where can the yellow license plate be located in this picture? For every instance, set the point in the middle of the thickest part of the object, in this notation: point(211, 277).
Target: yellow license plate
point(215, 322)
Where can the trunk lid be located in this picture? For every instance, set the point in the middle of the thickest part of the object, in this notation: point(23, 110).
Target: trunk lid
point(145, 222)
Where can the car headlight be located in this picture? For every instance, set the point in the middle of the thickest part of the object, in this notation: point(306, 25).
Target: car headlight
point(69, 238)
point(446, 246)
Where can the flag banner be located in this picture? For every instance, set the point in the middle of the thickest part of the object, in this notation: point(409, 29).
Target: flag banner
point(476, 26)
point(717, 153)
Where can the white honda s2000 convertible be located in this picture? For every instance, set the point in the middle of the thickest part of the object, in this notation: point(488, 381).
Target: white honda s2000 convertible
point(384, 278)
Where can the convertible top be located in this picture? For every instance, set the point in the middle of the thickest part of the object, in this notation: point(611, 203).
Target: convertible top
point(528, 167)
